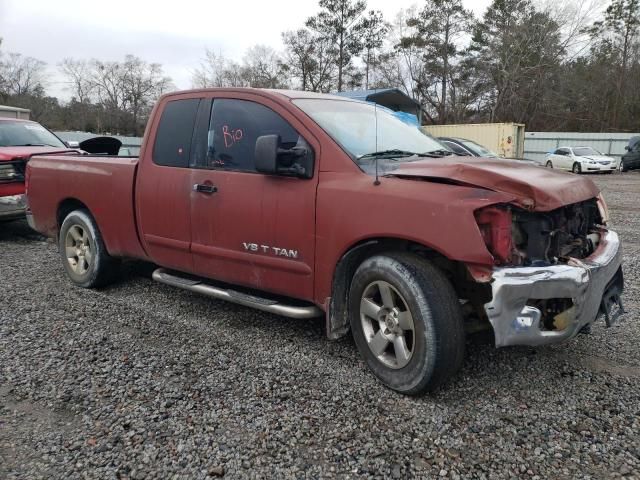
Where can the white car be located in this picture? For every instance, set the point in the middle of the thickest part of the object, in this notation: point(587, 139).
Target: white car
point(581, 160)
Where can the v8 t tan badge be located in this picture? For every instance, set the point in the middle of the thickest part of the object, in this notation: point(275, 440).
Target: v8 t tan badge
point(280, 252)
point(312, 204)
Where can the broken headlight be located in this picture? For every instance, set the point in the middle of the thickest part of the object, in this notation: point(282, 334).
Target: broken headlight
point(8, 173)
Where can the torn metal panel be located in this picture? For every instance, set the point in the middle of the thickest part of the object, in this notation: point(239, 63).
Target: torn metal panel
point(585, 282)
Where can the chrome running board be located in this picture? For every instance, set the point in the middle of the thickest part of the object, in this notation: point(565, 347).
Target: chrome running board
point(265, 304)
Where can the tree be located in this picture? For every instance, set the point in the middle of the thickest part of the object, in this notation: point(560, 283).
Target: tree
point(22, 75)
point(438, 29)
point(211, 72)
point(616, 37)
point(142, 83)
point(78, 75)
point(340, 21)
point(309, 57)
point(517, 51)
point(263, 68)
point(374, 31)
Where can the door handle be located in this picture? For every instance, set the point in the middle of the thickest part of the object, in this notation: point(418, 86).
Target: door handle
point(204, 188)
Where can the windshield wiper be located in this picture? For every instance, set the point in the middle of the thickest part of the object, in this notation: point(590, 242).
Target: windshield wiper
point(439, 153)
point(387, 154)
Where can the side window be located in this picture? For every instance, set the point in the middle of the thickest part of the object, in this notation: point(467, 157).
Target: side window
point(172, 146)
point(234, 128)
point(561, 151)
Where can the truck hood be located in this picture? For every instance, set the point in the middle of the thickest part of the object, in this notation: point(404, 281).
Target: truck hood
point(11, 153)
point(534, 188)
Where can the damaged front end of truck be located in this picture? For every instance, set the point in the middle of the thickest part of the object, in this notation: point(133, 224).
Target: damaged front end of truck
point(556, 264)
point(555, 271)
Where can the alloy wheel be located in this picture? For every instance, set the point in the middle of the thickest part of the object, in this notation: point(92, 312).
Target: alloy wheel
point(78, 249)
point(387, 324)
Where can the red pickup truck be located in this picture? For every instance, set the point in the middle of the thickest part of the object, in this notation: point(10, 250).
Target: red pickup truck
point(304, 204)
point(19, 139)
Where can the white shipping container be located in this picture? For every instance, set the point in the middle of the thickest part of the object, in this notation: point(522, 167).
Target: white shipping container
point(505, 139)
point(14, 112)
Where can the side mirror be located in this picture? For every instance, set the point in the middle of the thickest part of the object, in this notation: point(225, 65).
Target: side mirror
point(266, 155)
point(271, 159)
point(73, 144)
point(627, 148)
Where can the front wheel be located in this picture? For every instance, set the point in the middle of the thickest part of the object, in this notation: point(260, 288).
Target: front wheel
point(83, 253)
point(406, 322)
point(577, 168)
point(622, 167)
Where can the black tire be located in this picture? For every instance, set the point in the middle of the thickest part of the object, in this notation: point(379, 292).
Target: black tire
point(622, 167)
point(101, 268)
point(577, 168)
point(438, 338)
point(549, 164)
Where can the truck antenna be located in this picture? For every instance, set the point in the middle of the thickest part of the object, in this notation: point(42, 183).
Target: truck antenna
point(375, 110)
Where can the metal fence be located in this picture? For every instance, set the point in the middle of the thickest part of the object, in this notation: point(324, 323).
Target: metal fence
point(538, 144)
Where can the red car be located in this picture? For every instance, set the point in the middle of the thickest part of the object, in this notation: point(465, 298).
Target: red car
point(304, 204)
point(18, 140)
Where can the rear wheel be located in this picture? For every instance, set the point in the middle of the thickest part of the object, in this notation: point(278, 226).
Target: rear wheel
point(83, 253)
point(577, 168)
point(549, 164)
point(406, 322)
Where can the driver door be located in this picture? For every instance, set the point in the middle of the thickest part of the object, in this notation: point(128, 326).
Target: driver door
point(249, 228)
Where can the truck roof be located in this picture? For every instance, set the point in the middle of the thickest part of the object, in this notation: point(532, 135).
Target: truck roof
point(291, 94)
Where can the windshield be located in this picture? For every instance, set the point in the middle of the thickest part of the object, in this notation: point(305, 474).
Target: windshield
point(353, 126)
point(479, 149)
point(19, 134)
point(584, 151)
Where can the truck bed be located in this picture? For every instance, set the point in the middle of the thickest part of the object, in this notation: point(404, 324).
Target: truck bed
point(105, 185)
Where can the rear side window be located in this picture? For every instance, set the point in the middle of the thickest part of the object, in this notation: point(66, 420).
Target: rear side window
point(234, 128)
point(172, 147)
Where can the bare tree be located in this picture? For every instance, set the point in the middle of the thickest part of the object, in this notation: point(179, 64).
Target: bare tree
point(142, 83)
point(263, 68)
point(78, 76)
point(309, 58)
point(211, 71)
point(22, 75)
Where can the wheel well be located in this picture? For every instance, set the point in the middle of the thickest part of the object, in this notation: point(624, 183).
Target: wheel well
point(338, 318)
point(66, 207)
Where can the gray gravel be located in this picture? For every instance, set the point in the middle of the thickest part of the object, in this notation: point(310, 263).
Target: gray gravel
point(140, 380)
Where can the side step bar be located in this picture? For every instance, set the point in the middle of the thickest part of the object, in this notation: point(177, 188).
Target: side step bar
point(266, 305)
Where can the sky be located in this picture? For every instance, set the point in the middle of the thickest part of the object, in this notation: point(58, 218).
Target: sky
point(172, 33)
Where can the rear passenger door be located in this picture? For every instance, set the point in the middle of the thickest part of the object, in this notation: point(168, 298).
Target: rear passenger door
point(249, 228)
point(163, 185)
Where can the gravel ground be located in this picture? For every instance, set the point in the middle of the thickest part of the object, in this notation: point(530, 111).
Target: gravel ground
point(140, 380)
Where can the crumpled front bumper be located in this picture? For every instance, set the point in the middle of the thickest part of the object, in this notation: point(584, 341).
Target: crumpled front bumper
point(585, 282)
point(13, 206)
